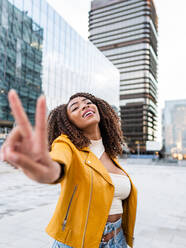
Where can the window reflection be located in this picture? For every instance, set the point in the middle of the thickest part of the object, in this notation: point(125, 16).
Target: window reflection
point(45, 54)
point(20, 40)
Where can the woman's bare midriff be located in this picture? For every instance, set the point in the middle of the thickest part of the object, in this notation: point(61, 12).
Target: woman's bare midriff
point(114, 217)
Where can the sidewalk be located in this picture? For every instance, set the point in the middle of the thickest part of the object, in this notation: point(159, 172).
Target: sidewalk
point(161, 215)
point(27, 229)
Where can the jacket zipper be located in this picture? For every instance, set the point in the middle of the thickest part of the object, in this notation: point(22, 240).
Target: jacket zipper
point(88, 209)
point(66, 216)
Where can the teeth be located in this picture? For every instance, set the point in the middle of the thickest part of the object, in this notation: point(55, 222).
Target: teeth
point(89, 112)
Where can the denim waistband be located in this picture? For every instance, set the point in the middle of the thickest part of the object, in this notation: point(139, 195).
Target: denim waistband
point(110, 226)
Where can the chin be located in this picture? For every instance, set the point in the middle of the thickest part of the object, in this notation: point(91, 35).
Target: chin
point(90, 124)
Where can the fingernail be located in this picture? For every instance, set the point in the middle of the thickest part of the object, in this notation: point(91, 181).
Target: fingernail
point(12, 90)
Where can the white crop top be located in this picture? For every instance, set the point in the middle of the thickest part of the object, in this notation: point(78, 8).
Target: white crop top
point(122, 190)
point(97, 147)
point(121, 182)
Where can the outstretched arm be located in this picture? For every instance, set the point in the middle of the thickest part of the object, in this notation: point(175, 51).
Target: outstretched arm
point(27, 148)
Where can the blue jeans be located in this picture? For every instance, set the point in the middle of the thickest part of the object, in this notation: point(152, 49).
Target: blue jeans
point(118, 241)
point(58, 244)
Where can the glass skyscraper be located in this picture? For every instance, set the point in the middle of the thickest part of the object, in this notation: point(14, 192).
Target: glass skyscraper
point(126, 33)
point(40, 52)
point(174, 128)
point(21, 41)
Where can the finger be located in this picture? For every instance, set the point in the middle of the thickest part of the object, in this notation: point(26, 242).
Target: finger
point(19, 114)
point(2, 151)
point(20, 160)
point(14, 166)
point(5, 158)
point(14, 136)
point(2, 159)
point(41, 124)
point(33, 170)
point(11, 142)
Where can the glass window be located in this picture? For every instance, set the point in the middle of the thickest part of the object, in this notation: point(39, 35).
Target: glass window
point(112, 40)
point(36, 11)
point(43, 15)
point(132, 3)
point(19, 4)
point(125, 14)
point(27, 7)
point(45, 51)
point(117, 10)
point(119, 33)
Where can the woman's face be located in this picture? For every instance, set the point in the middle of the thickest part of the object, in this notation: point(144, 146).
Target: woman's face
point(82, 112)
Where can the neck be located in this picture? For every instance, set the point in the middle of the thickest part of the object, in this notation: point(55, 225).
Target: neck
point(93, 133)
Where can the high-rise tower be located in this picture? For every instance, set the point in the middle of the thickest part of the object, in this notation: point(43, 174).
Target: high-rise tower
point(126, 32)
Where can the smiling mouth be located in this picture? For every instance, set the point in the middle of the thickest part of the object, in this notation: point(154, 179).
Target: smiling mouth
point(88, 114)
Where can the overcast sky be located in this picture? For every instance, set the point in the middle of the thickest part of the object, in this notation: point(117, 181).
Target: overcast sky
point(172, 42)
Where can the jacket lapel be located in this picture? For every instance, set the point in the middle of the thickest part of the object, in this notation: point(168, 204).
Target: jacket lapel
point(116, 162)
point(96, 164)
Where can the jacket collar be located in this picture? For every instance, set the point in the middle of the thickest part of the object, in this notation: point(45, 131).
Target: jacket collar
point(92, 161)
point(97, 165)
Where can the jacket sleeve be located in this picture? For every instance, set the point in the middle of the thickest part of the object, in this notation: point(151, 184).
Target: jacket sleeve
point(61, 152)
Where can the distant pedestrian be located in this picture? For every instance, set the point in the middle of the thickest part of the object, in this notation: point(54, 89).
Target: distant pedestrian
point(97, 204)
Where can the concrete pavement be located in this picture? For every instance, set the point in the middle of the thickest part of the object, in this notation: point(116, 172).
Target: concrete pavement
point(161, 215)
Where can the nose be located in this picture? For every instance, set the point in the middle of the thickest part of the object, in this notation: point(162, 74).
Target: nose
point(84, 106)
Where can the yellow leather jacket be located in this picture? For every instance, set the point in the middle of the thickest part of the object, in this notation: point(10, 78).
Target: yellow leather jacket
point(86, 197)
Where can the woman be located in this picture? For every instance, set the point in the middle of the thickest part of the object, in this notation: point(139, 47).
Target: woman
point(97, 204)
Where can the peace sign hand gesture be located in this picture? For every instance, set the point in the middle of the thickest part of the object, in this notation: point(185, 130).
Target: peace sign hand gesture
point(27, 148)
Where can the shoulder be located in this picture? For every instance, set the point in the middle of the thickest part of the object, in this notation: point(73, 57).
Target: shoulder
point(62, 150)
point(62, 144)
point(63, 140)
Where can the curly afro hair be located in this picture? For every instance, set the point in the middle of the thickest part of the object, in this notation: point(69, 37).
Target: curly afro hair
point(58, 123)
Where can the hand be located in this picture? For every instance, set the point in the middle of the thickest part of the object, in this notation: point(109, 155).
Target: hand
point(27, 148)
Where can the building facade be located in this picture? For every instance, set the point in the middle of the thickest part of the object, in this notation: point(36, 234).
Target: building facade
point(40, 52)
point(21, 40)
point(126, 32)
point(174, 128)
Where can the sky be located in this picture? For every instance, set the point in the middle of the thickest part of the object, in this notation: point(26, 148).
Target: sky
point(171, 43)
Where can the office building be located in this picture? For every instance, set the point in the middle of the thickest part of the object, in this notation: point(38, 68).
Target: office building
point(41, 52)
point(21, 40)
point(126, 33)
point(174, 128)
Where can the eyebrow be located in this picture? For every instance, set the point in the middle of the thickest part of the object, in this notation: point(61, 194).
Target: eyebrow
point(77, 102)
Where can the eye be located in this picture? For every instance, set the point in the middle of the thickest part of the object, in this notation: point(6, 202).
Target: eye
point(89, 102)
point(74, 109)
